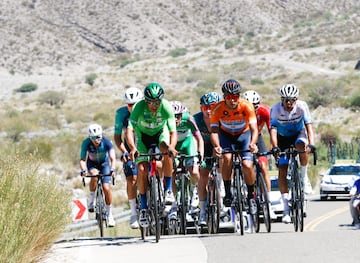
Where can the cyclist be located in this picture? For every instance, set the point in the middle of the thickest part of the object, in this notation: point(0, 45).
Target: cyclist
point(131, 96)
point(291, 124)
point(355, 203)
point(202, 119)
point(97, 155)
point(187, 131)
point(263, 118)
point(233, 121)
point(152, 120)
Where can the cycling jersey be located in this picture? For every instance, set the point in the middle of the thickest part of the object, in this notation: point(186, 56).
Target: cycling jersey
point(98, 155)
point(141, 119)
point(205, 133)
point(233, 121)
point(121, 122)
point(263, 117)
point(291, 123)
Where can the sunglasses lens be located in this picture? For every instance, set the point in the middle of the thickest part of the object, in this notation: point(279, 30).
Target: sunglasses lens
point(154, 103)
point(95, 137)
point(232, 97)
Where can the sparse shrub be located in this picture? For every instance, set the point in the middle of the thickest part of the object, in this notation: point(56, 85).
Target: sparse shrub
point(257, 82)
point(229, 44)
point(53, 98)
point(90, 79)
point(355, 101)
point(27, 87)
point(178, 52)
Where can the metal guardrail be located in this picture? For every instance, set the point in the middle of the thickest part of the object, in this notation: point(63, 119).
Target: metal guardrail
point(82, 227)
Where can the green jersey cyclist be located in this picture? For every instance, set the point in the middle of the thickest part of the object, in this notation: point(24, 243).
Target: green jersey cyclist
point(152, 121)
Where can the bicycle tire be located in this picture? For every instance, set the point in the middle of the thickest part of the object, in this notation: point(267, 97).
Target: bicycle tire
point(239, 219)
point(262, 203)
point(100, 210)
point(299, 202)
point(213, 207)
point(182, 207)
point(155, 208)
point(294, 197)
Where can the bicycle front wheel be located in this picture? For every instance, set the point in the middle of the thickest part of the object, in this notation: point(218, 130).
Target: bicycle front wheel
point(182, 210)
point(262, 203)
point(213, 207)
point(299, 203)
point(100, 210)
point(154, 197)
point(239, 219)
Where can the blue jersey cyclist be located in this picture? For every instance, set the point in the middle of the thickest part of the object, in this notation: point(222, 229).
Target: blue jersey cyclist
point(355, 203)
point(291, 124)
point(131, 96)
point(97, 155)
point(152, 121)
point(202, 119)
point(190, 142)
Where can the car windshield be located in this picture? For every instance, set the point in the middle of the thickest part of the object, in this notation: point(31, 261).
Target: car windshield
point(345, 170)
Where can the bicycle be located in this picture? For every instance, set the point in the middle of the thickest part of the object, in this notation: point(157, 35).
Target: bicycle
point(240, 203)
point(261, 196)
point(182, 180)
point(100, 209)
point(213, 198)
point(156, 203)
point(296, 187)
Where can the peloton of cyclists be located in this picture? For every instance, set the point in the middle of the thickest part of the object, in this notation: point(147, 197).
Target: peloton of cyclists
point(187, 131)
point(233, 121)
point(291, 124)
point(131, 96)
point(152, 121)
point(97, 155)
point(263, 118)
point(202, 119)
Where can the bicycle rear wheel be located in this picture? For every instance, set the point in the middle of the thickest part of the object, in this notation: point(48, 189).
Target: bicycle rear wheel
point(239, 219)
point(294, 197)
point(299, 203)
point(182, 206)
point(262, 203)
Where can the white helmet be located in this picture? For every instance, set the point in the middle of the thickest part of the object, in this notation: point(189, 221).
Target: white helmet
point(289, 91)
point(252, 96)
point(132, 95)
point(178, 107)
point(95, 130)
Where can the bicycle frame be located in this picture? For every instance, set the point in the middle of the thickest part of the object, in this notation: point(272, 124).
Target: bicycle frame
point(295, 186)
point(155, 194)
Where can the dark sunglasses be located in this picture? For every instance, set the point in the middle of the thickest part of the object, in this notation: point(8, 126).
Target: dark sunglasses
point(256, 106)
point(178, 116)
point(207, 107)
point(287, 100)
point(95, 137)
point(232, 96)
point(154, 103)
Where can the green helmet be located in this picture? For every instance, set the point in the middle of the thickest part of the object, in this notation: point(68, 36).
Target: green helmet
point(153, 91)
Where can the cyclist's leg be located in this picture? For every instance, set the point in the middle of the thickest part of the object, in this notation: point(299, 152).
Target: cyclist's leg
point(300, 144)
point(91, 166)
point(226, 170)
point(263, 162)
point(203, 181)
point(130, 171)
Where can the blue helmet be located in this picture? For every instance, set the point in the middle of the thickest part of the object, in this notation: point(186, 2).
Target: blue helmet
point(210, 98)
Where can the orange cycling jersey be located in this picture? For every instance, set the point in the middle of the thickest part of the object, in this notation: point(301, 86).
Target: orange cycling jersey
point(233, 121)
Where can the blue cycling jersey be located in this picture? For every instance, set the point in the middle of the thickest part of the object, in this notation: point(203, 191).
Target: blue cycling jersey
point(98, 155)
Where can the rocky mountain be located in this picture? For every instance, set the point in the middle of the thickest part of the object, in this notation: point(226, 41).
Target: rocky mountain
point(59, 33)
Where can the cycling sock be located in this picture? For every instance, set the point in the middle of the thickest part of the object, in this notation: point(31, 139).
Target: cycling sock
point(92, 197)
point(202, 207)
point(132, 203)
point(168, 183)
point(109, 209)
point(250, 191)
point(227, 185)
point(286, 202)
point(143, 201)
point(303, 171)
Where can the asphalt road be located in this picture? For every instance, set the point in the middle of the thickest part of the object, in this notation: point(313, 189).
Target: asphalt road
point(327, 237)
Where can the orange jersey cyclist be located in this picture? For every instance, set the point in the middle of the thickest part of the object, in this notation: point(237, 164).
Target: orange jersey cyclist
point(233, 121)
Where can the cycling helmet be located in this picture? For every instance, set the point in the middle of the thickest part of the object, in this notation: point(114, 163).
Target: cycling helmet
point(178, 107)
point(252, 96)
point(153, 91)
point(289, 91)
point(231, 86)
point(209, 98)
point(132, 95)
point(95, 130)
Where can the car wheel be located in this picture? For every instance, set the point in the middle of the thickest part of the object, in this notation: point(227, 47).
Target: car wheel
point(323, 198)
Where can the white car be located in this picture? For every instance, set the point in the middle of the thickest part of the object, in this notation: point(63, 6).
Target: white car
point(338, 180)
point(276, 201)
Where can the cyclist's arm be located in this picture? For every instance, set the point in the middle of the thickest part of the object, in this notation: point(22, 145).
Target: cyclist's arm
point(112, 158)
point(310, 133)
point(273, 137)
point(254, 136)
